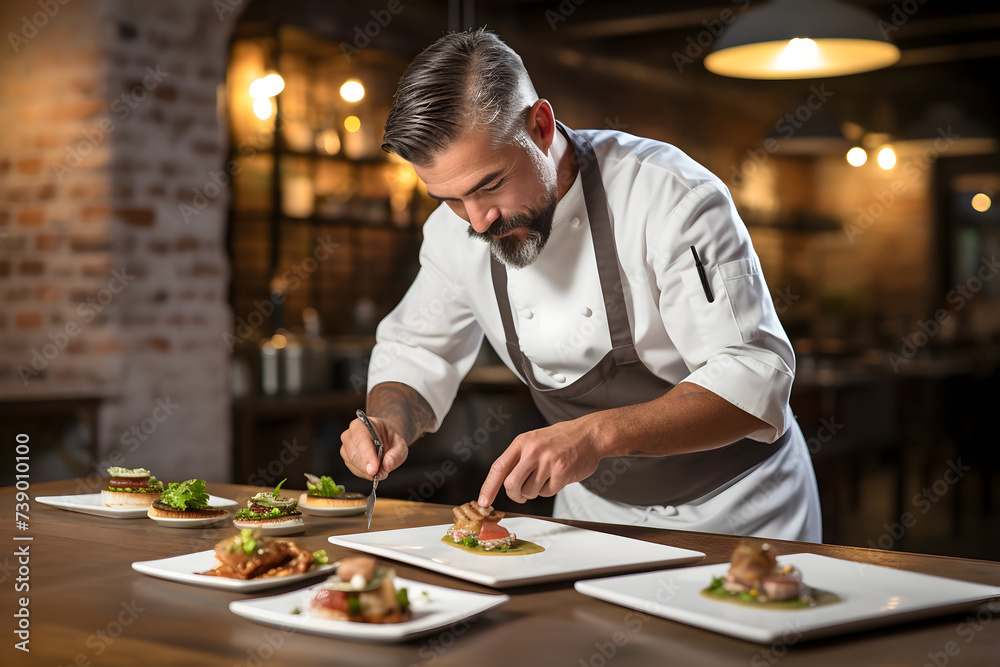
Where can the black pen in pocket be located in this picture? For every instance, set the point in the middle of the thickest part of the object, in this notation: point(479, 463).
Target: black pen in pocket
point(701, 274)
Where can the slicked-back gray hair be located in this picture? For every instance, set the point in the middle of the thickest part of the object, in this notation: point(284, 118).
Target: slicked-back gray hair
point(462, 80)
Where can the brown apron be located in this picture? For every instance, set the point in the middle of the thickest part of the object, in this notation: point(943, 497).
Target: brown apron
point(621, 379)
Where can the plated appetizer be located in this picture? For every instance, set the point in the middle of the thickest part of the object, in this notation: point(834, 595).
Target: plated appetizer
point(185, 500)
point(756, 578)
point(324, 492)
point(131, 487)
point(249, 555)
point(270, 510)
point(361, 592)
point(477, 529)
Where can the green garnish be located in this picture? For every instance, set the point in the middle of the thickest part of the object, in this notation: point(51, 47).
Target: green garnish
point(249, 543)
point(353, 605)
point(402, 599)
point(184, 495)
point(296, 611)
point(470, 541)
point(323, 487)
point(320, 558)
point(142, 489)
point(716, 587)
point(247, 513)
point(273, 499)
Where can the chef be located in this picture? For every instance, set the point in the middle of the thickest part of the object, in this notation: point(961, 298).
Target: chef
point(613, 275)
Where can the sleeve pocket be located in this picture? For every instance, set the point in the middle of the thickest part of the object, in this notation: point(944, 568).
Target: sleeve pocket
point(745, 290)
point(714, 323)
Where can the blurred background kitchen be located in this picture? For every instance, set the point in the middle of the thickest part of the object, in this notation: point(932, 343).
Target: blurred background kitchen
point(199, 234)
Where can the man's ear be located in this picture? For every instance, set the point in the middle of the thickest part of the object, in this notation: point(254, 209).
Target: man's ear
point(541, 124)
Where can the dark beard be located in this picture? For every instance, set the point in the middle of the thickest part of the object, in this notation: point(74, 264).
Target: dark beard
point(510, 250)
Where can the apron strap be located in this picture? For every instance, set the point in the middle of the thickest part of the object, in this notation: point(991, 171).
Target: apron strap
point(605, 250)
point(499, 275)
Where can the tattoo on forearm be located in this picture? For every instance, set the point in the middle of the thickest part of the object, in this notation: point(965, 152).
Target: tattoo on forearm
point(403, 406)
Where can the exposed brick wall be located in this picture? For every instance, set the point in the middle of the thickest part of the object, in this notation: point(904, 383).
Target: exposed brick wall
point(114, 105)
point(883, 254)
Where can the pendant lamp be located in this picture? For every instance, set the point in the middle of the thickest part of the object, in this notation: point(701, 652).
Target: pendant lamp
point(802, 39)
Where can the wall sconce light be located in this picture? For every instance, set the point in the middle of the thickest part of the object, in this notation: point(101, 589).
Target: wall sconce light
point(802, 39)
point(981, 202)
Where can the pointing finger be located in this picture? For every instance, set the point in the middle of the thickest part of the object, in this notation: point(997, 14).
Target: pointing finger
point(498, 473)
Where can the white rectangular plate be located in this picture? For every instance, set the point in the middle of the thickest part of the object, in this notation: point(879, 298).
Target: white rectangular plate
point(183, 569)
point(872, 596)
point(441, 608)
point(570, 553)
point(90, 503)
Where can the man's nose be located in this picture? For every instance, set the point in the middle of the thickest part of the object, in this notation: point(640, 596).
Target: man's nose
point(481, 217)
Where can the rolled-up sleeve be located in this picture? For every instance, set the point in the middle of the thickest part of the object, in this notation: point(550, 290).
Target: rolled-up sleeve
point(431, 339)
point(734, 346)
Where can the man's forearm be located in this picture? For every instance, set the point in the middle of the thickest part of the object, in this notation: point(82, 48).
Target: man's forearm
point(400, 405)
point(688, 418)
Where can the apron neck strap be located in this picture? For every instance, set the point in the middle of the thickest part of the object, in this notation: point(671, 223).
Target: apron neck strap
point(603, 235)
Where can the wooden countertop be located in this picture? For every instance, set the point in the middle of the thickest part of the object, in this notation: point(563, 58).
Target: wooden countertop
point(88, 607)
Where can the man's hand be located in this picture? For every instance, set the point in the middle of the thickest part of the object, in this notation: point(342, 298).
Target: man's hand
point(400, 415)
point(540, 463)
point(358, 450)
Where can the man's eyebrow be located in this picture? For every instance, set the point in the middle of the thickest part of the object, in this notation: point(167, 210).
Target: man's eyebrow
point(482, 182)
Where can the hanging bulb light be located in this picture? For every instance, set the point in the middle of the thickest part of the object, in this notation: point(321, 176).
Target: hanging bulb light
point(352, 91)
point(267, 86)
point(857, 156)
point(886, 157)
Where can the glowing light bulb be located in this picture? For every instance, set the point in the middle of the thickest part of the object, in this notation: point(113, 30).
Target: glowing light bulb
point(328, 142)
point(352, 123)
point(279, 341)
point(800, 53)
point(857, 156)
point(886, 157)
point(268, 86)
point(262, 107)
point(352, 91)
point(981, 202)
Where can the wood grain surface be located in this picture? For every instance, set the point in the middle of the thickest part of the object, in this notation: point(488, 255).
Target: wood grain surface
point(89, 607)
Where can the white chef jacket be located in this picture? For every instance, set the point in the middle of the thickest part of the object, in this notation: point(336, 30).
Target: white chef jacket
point(661, 203)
